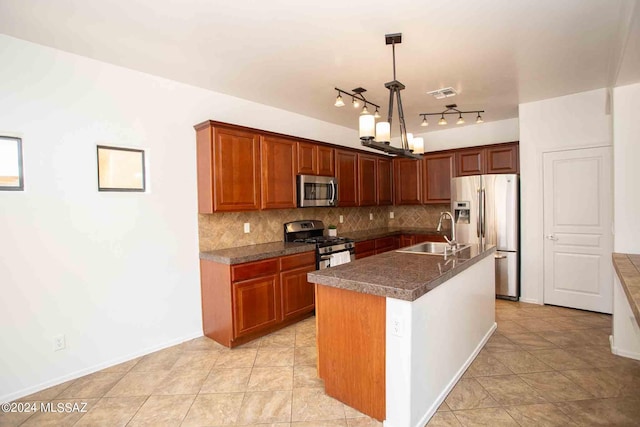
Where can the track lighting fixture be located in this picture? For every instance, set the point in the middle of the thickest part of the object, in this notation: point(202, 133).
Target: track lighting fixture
point(451, 109)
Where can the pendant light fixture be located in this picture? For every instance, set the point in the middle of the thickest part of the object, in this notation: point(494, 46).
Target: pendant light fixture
point(380, 139)
point(451, 109)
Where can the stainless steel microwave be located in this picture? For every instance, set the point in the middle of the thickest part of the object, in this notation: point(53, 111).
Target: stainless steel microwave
point(317, 191)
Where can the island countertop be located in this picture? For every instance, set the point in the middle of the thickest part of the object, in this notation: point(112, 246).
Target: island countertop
point(400, 275)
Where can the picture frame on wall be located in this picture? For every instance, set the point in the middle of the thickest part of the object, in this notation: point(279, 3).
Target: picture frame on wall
point(11, 172)
point(121, 169)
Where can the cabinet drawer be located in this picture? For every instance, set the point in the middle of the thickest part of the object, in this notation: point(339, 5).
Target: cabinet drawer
point(366, 246)
point(254, 269)
point(290, 262)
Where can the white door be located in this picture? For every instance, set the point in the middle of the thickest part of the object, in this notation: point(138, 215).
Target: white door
point(578, 238)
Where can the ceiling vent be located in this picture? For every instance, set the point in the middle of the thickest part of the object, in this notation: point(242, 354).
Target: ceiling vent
point(443, 93)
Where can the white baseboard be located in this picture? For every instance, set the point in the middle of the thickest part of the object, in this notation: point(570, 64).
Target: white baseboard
point(95, 368)
point(531, 301)
point(443, 395)
point(621, 352)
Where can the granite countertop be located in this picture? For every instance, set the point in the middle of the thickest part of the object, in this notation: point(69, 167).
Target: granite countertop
point(399, 275)
point(242, 254)
point(628, 268)
point(376, 233)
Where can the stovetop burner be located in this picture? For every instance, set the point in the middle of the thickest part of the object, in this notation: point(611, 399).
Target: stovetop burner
point(324, 240)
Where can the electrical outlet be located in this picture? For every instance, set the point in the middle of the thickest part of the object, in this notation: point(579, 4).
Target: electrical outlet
point(397, 327)
point(247, 227)
point(341, 219)
point(370, 216)
point(391, 215)
point(59, 343)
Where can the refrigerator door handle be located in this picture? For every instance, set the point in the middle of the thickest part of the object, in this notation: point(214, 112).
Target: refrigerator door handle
point(500, 256)
point(478, 215)
point(484, 211)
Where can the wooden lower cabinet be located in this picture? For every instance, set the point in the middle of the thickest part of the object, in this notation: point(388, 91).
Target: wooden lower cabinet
point(245, 301)
point(296, 294)
point(365, 248)
point(254, 304)
point(386, 244)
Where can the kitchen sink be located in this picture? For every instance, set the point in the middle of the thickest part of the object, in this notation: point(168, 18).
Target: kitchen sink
point(433, 248)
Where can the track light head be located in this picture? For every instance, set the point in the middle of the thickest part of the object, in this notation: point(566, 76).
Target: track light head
point(339, 102)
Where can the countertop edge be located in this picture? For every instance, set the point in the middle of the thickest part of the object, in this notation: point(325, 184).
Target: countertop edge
point(271, 253)
point(393, 292)
point(629, 276)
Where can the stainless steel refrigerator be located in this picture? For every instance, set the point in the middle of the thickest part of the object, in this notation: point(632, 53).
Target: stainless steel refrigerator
point(485, 208)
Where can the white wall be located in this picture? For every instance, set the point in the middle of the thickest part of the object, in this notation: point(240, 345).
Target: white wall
point(626, 175)
point(471, 135)
point(573, 121)
point(116, 273)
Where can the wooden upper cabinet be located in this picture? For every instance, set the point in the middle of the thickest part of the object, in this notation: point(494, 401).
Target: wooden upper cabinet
point(438, 171)
point(326, 161)
point(502, 158)
point(470, 162)
point(347, 175)
point(307, 158)
point(278, 173)
point(385, 182)
point(367, 179)
point(228, 169)
point(408, 181)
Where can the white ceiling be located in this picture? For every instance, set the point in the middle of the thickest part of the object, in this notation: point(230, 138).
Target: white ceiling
point(291, 53)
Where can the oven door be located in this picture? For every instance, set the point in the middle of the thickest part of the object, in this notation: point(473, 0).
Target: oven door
point(324, 261)
point(317, 191)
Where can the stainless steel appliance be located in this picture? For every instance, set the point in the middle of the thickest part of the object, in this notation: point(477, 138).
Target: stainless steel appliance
point(486, 211)
point(317, 191)
point(328, 249)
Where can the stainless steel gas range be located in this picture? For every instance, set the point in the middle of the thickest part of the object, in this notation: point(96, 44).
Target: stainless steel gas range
point(330, 251)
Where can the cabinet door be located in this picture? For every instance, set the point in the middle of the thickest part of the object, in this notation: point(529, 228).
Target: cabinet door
point(385, 178)
point(236, 170)
point(278, 173)
point(297, 295)
point(407, 240)
point(470, 162)
point(367, 180)
point(502, 158)
point(408, 181)
point(365, 249)
point(347, 175)
point(326, 160)
point(255, 304)
point(307, 158)
point(437, 178)
point(386, 244)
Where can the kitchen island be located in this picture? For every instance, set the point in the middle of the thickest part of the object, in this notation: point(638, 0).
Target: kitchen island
point(397, 330)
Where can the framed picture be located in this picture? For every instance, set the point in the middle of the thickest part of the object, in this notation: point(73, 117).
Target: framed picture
point(120, 169)
point(11, 177)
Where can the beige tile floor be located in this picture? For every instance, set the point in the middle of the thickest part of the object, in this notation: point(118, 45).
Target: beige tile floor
point(544, 366)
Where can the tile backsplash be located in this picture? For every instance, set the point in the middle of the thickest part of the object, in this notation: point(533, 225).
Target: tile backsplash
point(224, 230)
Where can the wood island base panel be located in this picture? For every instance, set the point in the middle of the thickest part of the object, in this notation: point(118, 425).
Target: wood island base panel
point(352, 326)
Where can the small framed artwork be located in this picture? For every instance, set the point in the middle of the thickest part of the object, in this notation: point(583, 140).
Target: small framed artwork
point(120, 169)
point(11, 176)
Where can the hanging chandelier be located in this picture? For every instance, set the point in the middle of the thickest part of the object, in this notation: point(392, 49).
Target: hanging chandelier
point(378, 135)
point(451, 109)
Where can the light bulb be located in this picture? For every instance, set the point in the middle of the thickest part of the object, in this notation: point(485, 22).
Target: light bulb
point(424, 122)
point(418, 145)
point(364, 110)
point(479, 119)
point(339, 102)
point(442, 121)
point(355, 103)
point(460, 120)
point(383, 132)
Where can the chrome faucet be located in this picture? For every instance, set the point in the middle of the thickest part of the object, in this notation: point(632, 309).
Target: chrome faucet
point(452, 242)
